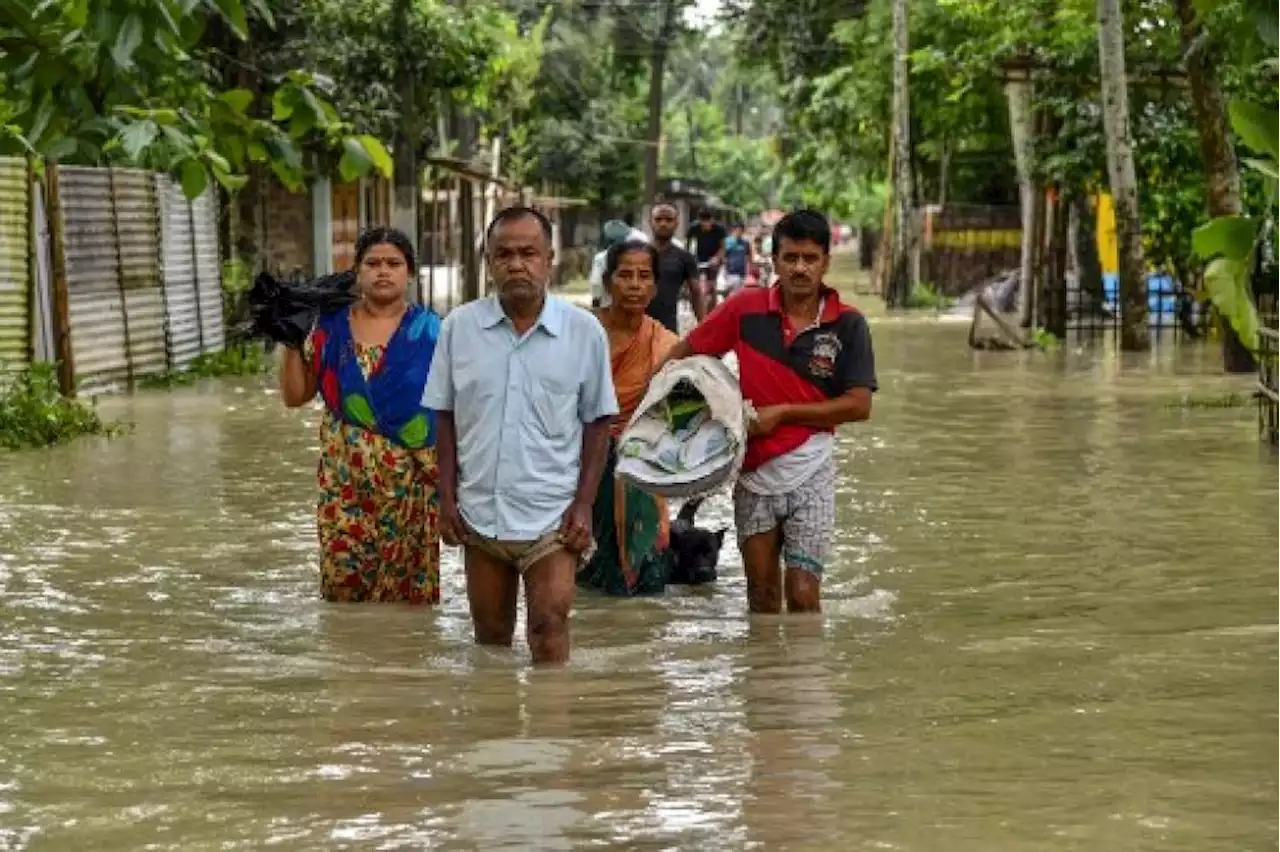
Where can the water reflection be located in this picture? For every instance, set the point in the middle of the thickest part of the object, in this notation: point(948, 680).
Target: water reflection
point(1050, 625)
point(795, 734)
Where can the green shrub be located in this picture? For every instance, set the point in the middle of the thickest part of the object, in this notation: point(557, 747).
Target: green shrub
point(242, 359)
point(1212, 400)
point(1045, 339)
point(923, 295)
point(34, 413)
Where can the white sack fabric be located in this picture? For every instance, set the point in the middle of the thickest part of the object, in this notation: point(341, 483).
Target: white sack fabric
point(689, 433)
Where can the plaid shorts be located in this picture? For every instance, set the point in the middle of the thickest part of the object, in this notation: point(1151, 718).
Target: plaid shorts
point(806, 515)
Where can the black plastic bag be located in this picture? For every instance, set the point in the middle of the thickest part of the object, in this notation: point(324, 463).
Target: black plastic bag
point(286, 311)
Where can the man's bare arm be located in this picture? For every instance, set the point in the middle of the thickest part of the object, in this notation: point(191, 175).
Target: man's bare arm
point(595, 452)
point(675, 353)
point(447, 456)
point(849, 407)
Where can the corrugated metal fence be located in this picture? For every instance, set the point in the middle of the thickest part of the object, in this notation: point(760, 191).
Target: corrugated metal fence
point(143, 284)
point(15, 265)
point(192, 273)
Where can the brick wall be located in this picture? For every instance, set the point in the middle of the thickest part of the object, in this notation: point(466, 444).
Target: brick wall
point(288, 231)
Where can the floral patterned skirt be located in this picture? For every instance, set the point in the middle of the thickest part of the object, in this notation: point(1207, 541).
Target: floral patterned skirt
point(378, 518)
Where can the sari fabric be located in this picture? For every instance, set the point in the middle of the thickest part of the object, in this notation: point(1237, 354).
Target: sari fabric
point(387, 399)
point(632, 529)
point(377, 512)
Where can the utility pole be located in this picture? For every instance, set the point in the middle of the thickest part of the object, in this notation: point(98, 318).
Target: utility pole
point(656, 69)
point(406, 191)
point(903, 235)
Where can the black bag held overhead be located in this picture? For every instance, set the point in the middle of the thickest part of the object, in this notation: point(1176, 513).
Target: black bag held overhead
point(286, 311)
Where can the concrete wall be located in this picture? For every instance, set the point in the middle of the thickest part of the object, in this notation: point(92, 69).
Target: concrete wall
point(288, 231)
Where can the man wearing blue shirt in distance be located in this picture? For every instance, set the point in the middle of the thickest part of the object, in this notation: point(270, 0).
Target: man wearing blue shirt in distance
point(523, 387)
point(737, 259)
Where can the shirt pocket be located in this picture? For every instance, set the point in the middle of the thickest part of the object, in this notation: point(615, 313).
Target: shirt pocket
point(555, 406)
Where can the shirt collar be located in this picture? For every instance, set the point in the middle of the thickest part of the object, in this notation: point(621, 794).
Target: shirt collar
point(828, 301)
point(551, 319)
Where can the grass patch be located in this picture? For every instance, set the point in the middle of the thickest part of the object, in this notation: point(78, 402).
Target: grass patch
point(1046, 339)
point(34, 413)
point(923, 295)
point(1213, 400)
point(243, 359)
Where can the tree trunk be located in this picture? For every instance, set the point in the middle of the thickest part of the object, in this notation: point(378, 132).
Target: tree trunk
point(1209, 108)
point(408, 135)
point(250, 219)
point(654, 133)
point(693, 137)
point(944, 172)
point(739, 102)
point(464, 131)
point(1054, 303)
point(1031, 309)
point(899, 289)
point(1221, 172)
point(1018, 93)
point(1134, 334)
point(246, 212)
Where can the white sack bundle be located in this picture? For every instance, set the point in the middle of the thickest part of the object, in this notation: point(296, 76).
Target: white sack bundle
point(688, 436)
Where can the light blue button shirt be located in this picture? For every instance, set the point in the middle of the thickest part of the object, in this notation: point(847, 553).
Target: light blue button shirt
point(518, 406)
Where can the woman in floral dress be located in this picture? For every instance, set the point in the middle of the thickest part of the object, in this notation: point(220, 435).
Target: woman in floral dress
point(377, 513)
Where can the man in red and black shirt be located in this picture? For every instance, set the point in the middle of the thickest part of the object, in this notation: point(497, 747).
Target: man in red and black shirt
point(806, 364)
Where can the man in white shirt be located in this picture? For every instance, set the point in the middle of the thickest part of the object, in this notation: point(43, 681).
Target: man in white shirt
point(522, 386)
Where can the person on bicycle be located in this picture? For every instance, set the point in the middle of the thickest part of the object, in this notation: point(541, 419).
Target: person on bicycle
point(706, 239)
point(737, 259)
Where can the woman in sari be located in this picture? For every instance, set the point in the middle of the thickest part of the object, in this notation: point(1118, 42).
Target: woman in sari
point(631, 527)
point(377, 512)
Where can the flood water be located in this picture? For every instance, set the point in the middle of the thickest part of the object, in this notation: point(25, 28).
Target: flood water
point(1051, 626)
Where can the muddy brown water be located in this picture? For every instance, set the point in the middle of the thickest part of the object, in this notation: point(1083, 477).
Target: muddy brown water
point(1051, 625)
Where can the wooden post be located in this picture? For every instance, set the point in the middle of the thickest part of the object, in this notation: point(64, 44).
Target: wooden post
point(433, 238)
point(879, 272)
point(454, 276)
point(490, 207)
point(124, 297)
point(159, 206)
point(61, 297)
point(1030, 310)
point(33, 262)
point(467, 239)
point(1056, 303)
point(195, 269)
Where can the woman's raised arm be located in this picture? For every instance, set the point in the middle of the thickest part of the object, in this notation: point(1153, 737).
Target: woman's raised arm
point(297, 385)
